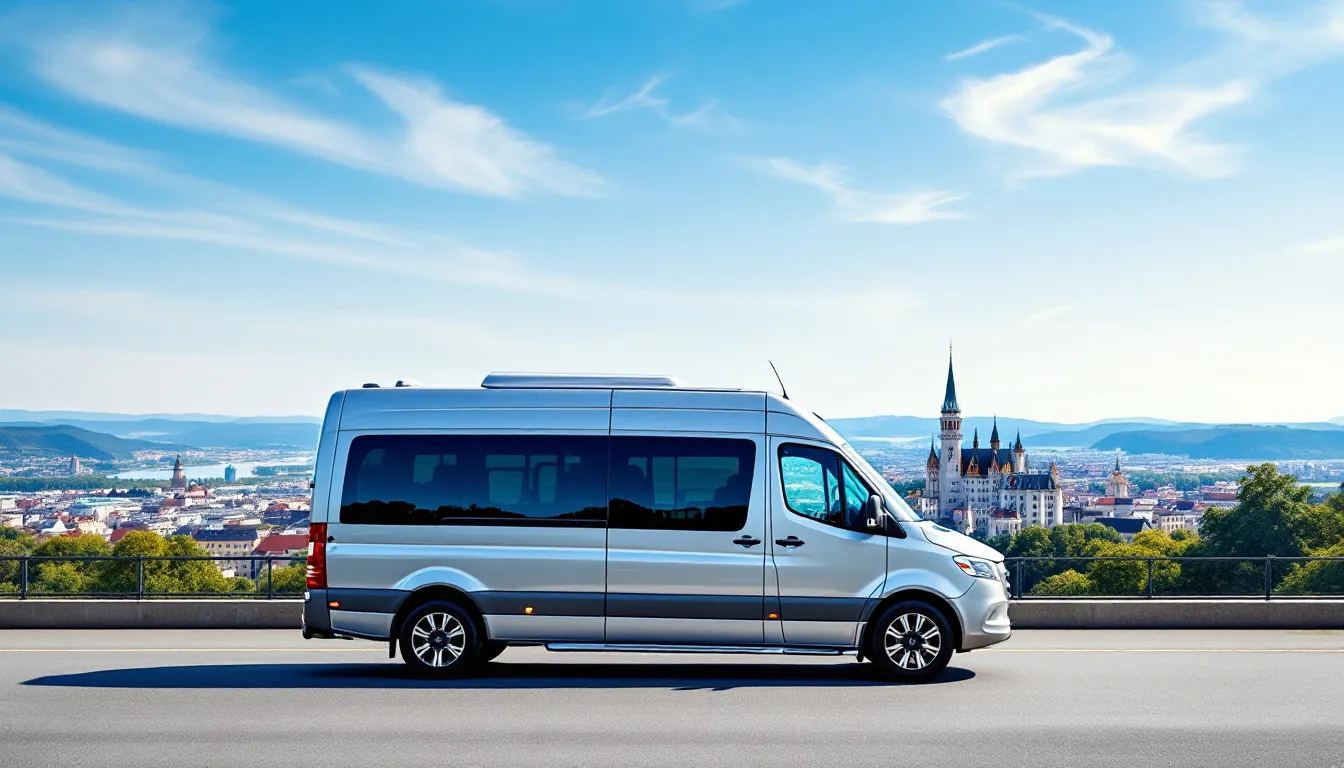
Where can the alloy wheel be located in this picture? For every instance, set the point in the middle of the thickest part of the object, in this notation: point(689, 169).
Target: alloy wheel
point(913, 641)
point(438, 639)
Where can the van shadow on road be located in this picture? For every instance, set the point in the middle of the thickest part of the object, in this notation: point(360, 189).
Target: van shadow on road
point(678, 677)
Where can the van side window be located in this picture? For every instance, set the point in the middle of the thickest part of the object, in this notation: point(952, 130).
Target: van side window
point(681, 483)
point(475, 480)
point(819, 485)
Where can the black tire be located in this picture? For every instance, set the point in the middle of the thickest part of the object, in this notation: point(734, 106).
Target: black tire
point(911, 642)
point(491, 649)
point(440, 640)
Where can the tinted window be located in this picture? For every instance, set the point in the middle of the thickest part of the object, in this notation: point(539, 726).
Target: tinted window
point(468, 479)
point(681, 483)
point(817, 484)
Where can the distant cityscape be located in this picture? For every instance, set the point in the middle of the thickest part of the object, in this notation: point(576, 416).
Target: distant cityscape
point(72, 474)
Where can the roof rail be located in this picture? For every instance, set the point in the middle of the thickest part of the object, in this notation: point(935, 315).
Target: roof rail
point(579, 381)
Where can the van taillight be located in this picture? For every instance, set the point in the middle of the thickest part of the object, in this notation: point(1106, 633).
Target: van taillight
point(317, 556)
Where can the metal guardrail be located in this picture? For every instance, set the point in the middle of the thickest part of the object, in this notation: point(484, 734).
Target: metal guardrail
point(23, 576)
point(125, 577)
point(1159, 580)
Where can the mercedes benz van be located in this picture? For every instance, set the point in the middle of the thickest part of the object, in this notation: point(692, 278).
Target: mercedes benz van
point(626, 513)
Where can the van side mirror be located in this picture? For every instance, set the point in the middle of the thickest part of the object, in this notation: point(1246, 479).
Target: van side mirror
point(873, 513)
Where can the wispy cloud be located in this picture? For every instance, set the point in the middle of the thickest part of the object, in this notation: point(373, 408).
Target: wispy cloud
point(219, 215)
point(1323, 248)
point(1043, 316)
point(983, 46)
point(158, 70)
point(1044, 108)
point(706, 116)
point(1076, 110)
point(857, 205)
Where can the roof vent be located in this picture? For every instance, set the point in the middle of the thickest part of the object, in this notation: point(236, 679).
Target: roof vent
point(370, 385)
point(408, 383)
point(579, 381)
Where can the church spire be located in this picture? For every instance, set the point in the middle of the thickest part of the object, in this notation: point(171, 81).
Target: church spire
point(1117, 461)
point(950, 394)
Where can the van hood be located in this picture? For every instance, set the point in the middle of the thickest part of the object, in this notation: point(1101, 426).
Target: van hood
point(959, 543)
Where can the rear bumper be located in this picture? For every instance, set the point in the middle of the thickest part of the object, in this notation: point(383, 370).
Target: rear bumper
point(316, 614)
point(983, 611)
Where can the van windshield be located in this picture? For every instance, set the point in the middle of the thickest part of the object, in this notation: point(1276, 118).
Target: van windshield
point(894, 503)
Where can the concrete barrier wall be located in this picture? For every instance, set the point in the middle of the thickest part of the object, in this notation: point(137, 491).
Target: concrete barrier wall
point(1025, 614)
point(151, 614)
point(1177, 614)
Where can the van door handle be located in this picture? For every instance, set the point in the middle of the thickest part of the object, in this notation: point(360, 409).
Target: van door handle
point(747, 541)
point(792, 541)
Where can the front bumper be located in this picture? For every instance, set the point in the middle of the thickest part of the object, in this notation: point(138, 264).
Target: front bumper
point(983, 611)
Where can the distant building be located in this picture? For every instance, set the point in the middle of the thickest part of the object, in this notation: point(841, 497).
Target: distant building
point(1176, 520)
point(283, 547)
point(232, 541)
point(179, 476)
point(967, 485)
point(1118, 485)
point(230, 473)
point(74, 466)
point(1127, 527)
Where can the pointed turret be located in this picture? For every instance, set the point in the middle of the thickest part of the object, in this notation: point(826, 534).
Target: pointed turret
point(1117, 461)
point(932, 462)
point(994, 435)
point(975, 439)
point(950, 393)
point(1017, 445)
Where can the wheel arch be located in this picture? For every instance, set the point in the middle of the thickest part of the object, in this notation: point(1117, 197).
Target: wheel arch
point(933, 599)
point(435, 592)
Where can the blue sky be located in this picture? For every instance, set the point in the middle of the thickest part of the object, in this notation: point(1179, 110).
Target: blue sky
point(1112, 209)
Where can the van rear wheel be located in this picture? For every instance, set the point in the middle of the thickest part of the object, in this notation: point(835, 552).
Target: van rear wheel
point(911, 642)
point(440, 640)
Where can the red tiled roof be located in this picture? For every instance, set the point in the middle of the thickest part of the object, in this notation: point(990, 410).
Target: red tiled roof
point(282, 542)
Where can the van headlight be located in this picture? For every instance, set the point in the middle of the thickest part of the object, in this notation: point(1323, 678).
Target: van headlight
point(981, 569)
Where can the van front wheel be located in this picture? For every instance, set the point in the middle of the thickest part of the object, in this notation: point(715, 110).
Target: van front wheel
point(911, 642)
point(440, 640)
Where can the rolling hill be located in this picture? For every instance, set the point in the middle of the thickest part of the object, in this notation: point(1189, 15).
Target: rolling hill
point(64, 440)
point(255, 433)
point(1236, 441)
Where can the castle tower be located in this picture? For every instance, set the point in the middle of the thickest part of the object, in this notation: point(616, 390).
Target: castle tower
point(994, 435)
point(949, 459)
point(1019, 454)
point(931, 472)
point(1118, 484)
point(179, 476)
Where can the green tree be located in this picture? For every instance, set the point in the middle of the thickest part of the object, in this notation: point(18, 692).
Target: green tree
point(1321, 577)
point(10, 569)
point(69, 575)
point(61, 576)
point(241, 584)
point(164, 576)
point(1274, 516)
point(194, 575)
point(1120, 577)
point(291, 579)
point(1069, 582)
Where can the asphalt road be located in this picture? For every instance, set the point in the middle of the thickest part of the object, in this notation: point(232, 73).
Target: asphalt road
point(247, 699)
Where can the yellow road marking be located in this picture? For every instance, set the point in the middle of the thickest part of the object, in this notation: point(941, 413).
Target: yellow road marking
point(192, 650)
point(381, 649)
point(1164, 650)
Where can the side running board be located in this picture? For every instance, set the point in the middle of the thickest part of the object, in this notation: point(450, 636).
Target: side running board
point(648, 648)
